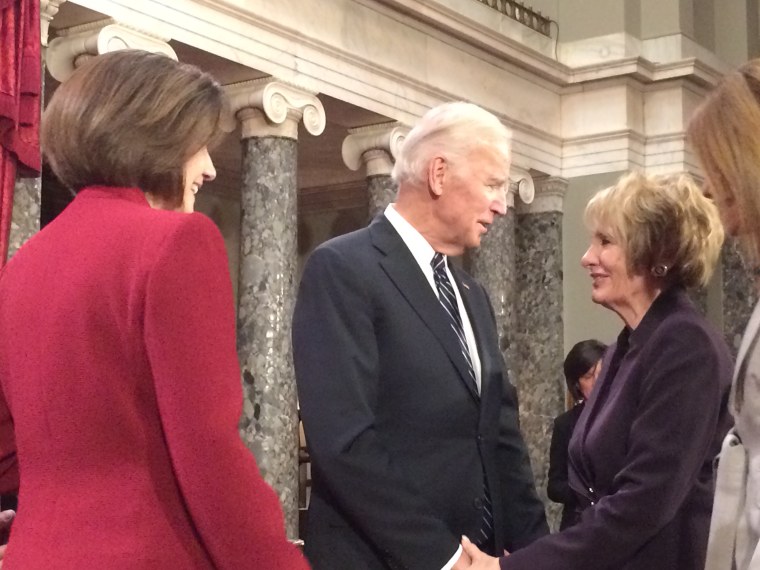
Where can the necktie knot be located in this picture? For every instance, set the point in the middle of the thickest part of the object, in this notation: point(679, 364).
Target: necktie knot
point(438, 261)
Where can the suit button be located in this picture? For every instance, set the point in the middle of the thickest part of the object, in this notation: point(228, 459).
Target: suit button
point(480, 437)
point(478, 503)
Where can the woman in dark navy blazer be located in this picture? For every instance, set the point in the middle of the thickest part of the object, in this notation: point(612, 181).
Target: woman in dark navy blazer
point(121, 390)
point(641, 454)
point(581, 367)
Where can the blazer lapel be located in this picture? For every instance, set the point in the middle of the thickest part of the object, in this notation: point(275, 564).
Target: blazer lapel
point(753, 329)
point(402, 269)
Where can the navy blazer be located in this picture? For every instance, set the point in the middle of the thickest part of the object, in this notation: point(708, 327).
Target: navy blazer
point(399, 437)
point(641, 453)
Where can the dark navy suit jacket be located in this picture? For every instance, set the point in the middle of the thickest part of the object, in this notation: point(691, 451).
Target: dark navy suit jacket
point(641, 453)
point(398, 435)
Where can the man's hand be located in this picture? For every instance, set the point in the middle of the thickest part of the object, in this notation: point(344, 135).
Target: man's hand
point(463, 563)
point(480, 560)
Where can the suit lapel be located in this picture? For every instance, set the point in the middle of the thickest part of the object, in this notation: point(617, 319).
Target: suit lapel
point(752, 330)
point(402, 269)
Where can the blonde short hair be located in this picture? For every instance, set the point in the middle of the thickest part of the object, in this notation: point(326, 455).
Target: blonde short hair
point(725, 133)
point(661, 220)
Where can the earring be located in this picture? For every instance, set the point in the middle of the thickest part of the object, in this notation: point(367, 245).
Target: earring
point(660, 270)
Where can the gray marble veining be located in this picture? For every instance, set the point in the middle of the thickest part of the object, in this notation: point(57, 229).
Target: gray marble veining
point(493, 265)
point(382, 191)
point(266, 292)
point(539, 341)
point(520, 264)
point(739, 295)
point(25, 218)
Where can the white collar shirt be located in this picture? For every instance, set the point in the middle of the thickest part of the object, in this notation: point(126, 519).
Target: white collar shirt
point(423, 254)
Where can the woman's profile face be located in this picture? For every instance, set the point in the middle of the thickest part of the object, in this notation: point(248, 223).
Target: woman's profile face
point(197, 170)
point(613, 286)
point(587, 381)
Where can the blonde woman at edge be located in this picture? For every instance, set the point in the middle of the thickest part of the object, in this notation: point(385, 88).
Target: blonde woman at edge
point(725, 132)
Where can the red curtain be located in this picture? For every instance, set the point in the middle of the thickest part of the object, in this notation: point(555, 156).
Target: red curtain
point(20, 92)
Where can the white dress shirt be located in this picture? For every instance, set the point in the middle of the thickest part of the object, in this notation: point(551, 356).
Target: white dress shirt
point(423, 253)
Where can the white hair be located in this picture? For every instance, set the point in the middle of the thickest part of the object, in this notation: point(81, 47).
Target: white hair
point(450, 130)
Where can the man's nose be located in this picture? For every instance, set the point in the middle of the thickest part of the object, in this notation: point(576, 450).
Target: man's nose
point(499, 205)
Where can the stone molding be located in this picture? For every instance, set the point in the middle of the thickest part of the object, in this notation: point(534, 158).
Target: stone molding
point(550, 196)
point(270, 107)
point(48, 10)
point(376, 146)
point(451, 40)
point(74, 46)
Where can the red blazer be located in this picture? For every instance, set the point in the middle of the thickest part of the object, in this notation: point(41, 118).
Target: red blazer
point(121, 385)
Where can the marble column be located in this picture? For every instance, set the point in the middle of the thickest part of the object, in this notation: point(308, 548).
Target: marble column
point(493, 264)
point(375, 146)
point(270, 112)
point(27, 194)
point(738, 295)
point(381, 190)
point(25, 217)
point(539, 342)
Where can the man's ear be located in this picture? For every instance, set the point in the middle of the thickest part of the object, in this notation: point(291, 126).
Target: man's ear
point(437, 169)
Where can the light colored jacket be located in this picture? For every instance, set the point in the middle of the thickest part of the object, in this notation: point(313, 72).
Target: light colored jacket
point(735, 524)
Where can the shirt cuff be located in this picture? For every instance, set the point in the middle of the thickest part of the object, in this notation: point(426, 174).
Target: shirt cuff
point(454, 559)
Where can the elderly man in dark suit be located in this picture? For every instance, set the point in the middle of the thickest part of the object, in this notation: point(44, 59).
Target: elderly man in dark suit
point(410, 418)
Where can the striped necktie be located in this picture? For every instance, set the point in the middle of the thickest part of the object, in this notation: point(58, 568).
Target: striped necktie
point(448, 300)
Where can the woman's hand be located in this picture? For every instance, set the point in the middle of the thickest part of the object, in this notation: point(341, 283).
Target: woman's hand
point(6, 518)
point(480, 560)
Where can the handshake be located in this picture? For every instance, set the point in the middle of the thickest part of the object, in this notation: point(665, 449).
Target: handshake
point(473, 559)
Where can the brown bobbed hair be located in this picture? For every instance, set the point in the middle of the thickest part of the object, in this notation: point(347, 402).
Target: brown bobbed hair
point(131, 118)
point(725, 133)
point(660, 220)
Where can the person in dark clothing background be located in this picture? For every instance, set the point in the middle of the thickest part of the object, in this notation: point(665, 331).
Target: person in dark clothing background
point(581, 368)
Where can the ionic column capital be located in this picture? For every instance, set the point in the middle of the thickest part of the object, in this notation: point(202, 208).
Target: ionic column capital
point(48, 10)
point(74, 46)
point(377, 146)
point(269, 107)
point(549, 196)
point(521, 185)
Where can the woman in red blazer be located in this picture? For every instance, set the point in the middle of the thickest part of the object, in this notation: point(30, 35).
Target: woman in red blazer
point(121, 391)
